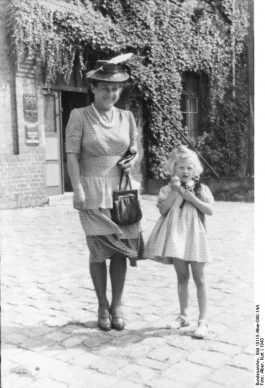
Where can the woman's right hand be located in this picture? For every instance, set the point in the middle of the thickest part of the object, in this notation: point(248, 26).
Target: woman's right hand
point(126, 166)
point(79, 197)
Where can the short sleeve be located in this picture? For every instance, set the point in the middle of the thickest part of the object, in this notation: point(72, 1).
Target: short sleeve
point(133, 130)
point(206, 195)
point(163, 194)
point(74, 131)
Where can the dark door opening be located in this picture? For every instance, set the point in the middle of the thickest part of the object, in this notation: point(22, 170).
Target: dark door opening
point(69, 101)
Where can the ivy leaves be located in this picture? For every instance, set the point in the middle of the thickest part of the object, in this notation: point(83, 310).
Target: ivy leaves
point(168, 38)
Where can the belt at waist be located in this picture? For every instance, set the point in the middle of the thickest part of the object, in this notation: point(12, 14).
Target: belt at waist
point(104, 165)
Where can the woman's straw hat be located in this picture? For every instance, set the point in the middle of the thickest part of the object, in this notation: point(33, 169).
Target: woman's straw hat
point(107, 72)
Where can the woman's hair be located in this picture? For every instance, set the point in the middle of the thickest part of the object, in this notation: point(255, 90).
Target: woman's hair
point(183, 153)
point(94, 83)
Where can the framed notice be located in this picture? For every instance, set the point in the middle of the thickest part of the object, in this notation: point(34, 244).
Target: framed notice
point(30, 105)
point(32, 135)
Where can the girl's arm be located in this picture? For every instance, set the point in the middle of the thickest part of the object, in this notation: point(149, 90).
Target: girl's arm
point(166, 204)
point(204, 207)
point(74, 173)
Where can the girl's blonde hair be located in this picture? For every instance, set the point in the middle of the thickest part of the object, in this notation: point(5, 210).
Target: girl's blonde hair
point(182, 153)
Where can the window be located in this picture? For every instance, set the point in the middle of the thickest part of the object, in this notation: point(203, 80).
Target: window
point(189, 104)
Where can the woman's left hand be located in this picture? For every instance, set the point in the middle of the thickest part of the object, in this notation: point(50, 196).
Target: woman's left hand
point(187, 194)
point(126, 166)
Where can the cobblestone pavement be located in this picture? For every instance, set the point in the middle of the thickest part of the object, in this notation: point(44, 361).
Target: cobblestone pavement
point(49, 333)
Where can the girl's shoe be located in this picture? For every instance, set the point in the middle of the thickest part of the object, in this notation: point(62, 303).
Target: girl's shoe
point(202, 330)
point(104, 320)
point(117, 320)
point(180, 322)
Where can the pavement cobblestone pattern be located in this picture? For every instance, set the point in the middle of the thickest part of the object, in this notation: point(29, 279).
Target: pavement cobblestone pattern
point(50, 337)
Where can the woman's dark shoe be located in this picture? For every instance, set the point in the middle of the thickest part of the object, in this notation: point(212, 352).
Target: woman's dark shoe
point(104, 320)
point(117, 320)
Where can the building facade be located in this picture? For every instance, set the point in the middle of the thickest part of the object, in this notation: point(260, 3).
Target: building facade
point(33, 121)
point(22, 147)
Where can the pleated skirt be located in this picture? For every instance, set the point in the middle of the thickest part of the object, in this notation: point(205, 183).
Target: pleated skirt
point(105, 239)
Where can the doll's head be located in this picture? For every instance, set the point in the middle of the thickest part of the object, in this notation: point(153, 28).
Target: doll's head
point(184, 163)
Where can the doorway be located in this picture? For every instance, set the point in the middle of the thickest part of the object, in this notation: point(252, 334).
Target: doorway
point(69, 101)
point(52, 131)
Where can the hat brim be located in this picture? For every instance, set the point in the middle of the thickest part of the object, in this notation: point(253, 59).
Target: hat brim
point(118, 77)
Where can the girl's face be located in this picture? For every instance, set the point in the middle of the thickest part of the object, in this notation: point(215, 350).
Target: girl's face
point(106, 95)
point(184, 169)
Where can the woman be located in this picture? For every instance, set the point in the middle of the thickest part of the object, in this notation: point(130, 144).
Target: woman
point(96, 138)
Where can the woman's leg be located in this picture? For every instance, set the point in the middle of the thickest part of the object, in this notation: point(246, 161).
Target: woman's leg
point(183, 274)
point(98, 273)
point(118, 269)
point(198, 273)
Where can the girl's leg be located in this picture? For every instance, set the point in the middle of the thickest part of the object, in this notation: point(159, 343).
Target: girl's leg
point(118, 269)
point(198, 273)
point(183, 274)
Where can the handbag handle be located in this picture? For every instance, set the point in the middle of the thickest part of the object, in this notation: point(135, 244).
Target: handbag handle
point(128, 182)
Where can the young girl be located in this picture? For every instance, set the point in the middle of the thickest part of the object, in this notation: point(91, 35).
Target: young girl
point(179, 236)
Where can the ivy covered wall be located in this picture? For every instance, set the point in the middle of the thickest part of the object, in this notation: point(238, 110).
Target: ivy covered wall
point(168, 39)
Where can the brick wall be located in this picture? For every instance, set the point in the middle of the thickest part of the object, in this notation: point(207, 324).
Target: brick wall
point(23, 180)
point(22, 167)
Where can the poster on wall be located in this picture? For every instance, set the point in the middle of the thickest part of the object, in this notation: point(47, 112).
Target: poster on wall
point(32, 135)
point(30, 104)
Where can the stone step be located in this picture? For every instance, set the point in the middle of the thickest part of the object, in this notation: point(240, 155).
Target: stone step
point(55, 200)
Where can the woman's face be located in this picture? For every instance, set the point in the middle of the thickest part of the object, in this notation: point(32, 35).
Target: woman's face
point(106, 94)
point(184, 169)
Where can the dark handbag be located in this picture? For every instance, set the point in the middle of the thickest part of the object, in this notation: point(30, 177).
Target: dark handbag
point(126, 207)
